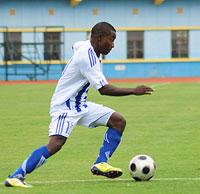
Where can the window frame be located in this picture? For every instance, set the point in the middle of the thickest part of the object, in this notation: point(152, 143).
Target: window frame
point(52, 45)
point(180, 44)
point(135, 44)
point(12, 46)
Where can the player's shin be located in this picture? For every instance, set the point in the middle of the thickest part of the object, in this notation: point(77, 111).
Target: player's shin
point(35, 160)
point(111, 141)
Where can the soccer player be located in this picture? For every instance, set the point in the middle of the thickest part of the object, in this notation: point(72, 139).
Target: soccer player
point(69, 106)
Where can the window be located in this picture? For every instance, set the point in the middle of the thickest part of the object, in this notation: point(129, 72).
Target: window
point(135, 44)
point(13, 46)
point(179, 44)
point(52, 45)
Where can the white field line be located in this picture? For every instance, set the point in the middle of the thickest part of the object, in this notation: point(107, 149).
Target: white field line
point(154, 86)
point(110, 180)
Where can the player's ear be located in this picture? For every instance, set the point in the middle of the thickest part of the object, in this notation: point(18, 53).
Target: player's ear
point(99, 38)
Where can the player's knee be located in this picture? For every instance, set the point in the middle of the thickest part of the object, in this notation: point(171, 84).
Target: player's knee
point(55, 144)
point(117, 121)
point(122, 123)
point(54, 148)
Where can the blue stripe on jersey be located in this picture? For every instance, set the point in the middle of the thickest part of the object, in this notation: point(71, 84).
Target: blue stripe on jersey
point(68, 104)
point(79, 95)
point(92, 57)
point(102, 82)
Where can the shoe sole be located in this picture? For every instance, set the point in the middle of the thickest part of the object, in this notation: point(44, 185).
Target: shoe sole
point(8, 184)
point(111, 174)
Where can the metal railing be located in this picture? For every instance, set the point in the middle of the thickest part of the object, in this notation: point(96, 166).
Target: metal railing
point(27, 58)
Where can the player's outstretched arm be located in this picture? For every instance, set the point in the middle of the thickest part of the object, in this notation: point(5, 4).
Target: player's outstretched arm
point(111, 90)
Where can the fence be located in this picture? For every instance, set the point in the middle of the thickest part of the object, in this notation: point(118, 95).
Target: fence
point(33, 58)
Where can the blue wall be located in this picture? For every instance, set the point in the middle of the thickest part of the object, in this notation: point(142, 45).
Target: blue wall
point(116, 70)
point(157, 43)
point(118, 12)
point(138, 70)
point(194, 39)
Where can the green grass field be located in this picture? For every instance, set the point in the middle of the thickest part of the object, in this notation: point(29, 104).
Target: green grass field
point(165, 125)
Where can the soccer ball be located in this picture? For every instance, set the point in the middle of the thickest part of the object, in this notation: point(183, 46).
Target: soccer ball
point(142, 167)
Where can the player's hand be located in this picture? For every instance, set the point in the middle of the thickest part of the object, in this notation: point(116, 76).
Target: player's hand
point(142, 90)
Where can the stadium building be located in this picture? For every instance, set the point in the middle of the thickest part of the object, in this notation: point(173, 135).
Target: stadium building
point(155, 38)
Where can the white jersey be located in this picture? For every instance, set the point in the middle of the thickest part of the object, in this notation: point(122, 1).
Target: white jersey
point(82, 72)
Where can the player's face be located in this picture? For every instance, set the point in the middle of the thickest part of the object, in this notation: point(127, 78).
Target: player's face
point(107, 43)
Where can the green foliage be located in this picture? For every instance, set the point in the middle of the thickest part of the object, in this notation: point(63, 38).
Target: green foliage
point(164, 125)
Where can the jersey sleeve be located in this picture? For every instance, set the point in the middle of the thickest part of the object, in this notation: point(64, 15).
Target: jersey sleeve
point(90, 68)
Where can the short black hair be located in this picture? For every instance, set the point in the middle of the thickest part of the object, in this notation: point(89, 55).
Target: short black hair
point(102, 28)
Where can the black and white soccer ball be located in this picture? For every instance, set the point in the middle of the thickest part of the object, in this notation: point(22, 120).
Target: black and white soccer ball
point(142, 167)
